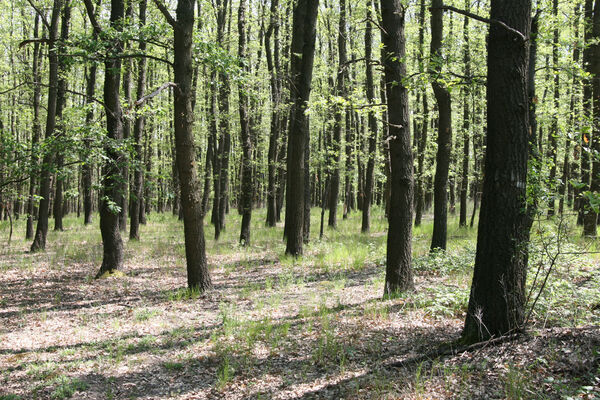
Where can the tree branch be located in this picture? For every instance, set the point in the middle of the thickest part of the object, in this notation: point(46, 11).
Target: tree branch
point(482, 19)
point(42, 16)
point(29, 41)
point(92, 16)
point(163, 9)
point(147, 97)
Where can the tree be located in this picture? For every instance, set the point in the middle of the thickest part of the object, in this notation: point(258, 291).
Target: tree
point(245, 139)
point(444, 139)
point(185, 152)
point(497, 299)
point(41, 230)
point(302, 53)
point(372, 123)
point(112, 170)
point(398, 276)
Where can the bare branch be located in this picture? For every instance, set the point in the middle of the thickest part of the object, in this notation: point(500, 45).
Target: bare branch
point(147, 97)
point(29, 41)
point(163, 9)
point(42, 16)
point(92, 16)
point(482, 19)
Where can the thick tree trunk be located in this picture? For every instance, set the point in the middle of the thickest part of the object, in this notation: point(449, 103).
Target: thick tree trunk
point(399, 276)
point(113, 168)
point(444, 139)
point(39, 241)
point(497, 300)
point(302, 53)
point(191, 200)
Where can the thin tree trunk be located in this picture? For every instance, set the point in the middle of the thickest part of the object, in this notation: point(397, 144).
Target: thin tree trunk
point(444, 140)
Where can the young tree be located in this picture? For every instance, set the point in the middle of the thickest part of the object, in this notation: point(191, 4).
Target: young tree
point(302, 53)
point(399, 275)
point(497, 300)
point(245, 139)
point(372, 123)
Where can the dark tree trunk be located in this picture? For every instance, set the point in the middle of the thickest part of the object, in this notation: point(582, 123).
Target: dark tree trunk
point(273, 65)
point(422, 145)
point(302, 53)
point(340, 110)
point(36, 128)
point(112, 170)
point(553, 133)
point(60, 105)
point(39, 241)
point(87, 168)
point(372, 124)
point(444, 140)
point(464, 185)
point(307, 201)
point(191, 199)
point(245, 138)
point(497, 300)
point(138, 131)
point(594, 69)
point(588, 214)
point(399, 275)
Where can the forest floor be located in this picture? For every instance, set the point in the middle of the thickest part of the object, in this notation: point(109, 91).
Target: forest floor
point(276, 327)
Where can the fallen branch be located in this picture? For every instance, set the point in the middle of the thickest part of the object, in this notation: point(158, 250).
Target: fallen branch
point(450, 350)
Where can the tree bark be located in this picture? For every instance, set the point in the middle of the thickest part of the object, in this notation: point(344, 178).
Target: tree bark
point(302, 53)
point(245, 138)
point(444, 139)
point(138, 131)
point(372, 123)
point(497, 300)
point(399, 275)
point(39, 241)
point(464, 185)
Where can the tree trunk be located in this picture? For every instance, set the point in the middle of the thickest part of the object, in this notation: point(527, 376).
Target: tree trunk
point(302, 53)
point(191, 200)
point(464, 185)
point(444, 139)
point(138, 131)
point(36, 128)
point(372, 124)
point(589, 216)
point(497, 300)
point(39, 241)
point(245, 139)
point(113, 168)
point(399, 275)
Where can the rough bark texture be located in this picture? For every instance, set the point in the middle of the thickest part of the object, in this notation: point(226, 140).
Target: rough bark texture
point(302, 53)
point(112, 170)
point(497, 300)
point(399, 275)
point(589, 216)
point(191, 199)
point(39, 241)
point(444, 139)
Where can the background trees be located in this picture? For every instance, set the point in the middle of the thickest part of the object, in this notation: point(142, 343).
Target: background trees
point(356, 141)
